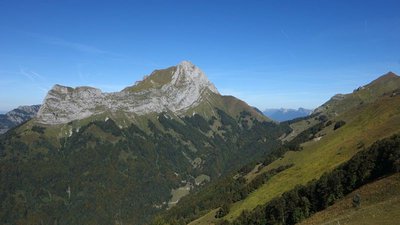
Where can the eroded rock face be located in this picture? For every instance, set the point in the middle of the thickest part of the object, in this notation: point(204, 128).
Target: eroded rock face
point(17, 116)
point(186, 88)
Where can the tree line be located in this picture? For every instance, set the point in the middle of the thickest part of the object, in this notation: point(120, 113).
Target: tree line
point(381, 159)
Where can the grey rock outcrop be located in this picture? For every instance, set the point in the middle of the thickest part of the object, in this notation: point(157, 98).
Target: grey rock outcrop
point(179, 88)
point(17, 116)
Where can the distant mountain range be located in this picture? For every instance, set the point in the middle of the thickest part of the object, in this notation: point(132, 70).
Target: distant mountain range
point(17, 116)
point(286, 114)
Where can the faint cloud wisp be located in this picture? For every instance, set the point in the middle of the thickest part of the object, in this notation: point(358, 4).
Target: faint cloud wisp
point(35, 78)
point(67, 44)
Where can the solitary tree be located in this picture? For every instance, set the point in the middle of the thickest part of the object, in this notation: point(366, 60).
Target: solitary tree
point(222, 211)
point(357, 201)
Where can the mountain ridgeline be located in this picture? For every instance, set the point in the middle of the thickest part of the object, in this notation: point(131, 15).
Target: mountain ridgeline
point(282, 114)
point(181, 90)
point(117, 158)
point(17, 116)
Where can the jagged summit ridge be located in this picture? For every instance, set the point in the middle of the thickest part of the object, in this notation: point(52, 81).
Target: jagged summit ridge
point(174, 89)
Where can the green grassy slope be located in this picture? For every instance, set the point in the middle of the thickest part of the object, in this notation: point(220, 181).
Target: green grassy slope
point(388, 84)
point(371, 113)
point(380, 204)
point(155, 80)
point(229, 104)
point(365, 125)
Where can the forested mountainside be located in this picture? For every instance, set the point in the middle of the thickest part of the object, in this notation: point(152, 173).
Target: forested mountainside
point(114, 165)
point(318, 144)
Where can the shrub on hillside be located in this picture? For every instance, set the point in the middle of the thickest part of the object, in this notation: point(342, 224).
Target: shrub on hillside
point(339, 124)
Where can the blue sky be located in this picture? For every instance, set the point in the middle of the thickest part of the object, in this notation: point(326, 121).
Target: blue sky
point(269, 53)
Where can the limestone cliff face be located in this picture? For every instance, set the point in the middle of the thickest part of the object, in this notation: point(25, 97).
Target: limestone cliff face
point(175, 89)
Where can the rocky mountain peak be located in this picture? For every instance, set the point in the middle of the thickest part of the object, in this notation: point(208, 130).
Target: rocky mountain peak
point(175, 89)
point(189, 71)
point(189, 74)
point(182, 75)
